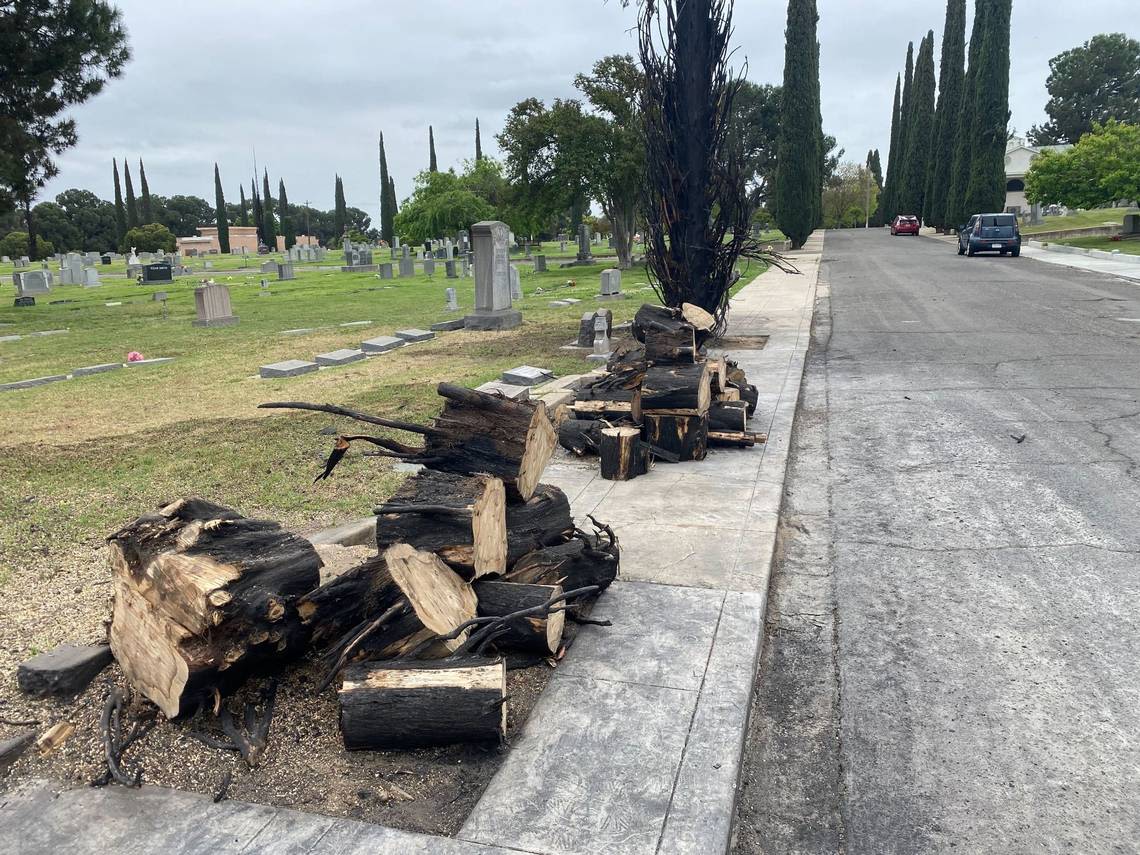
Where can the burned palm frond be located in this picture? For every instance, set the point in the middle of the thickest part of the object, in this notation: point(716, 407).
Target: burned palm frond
point(699, 209)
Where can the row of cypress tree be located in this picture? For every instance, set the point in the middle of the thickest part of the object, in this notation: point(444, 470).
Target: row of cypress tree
point(134, 211)
point(947, 158)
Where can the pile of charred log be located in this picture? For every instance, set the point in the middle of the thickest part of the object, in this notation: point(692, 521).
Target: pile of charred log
point(663, 397)
point(479, 566)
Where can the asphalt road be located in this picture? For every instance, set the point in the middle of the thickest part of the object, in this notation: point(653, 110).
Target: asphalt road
point(954, 628)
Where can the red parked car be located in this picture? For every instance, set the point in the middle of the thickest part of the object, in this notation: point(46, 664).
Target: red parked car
point(904, 224)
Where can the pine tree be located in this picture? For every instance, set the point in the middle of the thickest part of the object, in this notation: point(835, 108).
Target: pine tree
point(886, 199)
point(258, 216)
point(132, 205)
point(385, 206)
point(120, 209)
point(478, 143)
point(950, 78)
point(340, 212)
point(269, 227)
point(221, 219)
point(919, 130)
point(985, 190)
point(957, 209)
point(797, 181)
point(285, 216)
point(244, 208)
point(146, 209)
point(433, 164)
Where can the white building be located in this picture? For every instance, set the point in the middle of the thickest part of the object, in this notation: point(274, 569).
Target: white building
point(1018, 155)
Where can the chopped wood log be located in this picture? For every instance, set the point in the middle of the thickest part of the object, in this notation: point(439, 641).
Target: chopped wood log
point(728, 416)
point(623, 384)
point(623, 455)
point(676, 387)
point(54, 737)
point(667, 346)
point(684, 434)
point(627, 355)
point(747, 393)
point(398, 705)
point(731, 393)
point(718, 374)
point(611, 411)
point(543, 520)
point(660, 319)
point(356, 596)
point(580, 436)
point(736, 439)
point(204, 596)
point(700, 319)
point(588, 559)
point(460, 518)
point(537, 633)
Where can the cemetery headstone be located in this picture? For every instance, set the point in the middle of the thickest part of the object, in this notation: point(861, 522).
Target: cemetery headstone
point(466, 266)
point(158, 271)
point(449, 269)
point(5, 260)
point(516, 284)
point(561, 246)
point(540, 264)
point(584, 253)
point(601, 336)
point(452, 299)
point(407, 266)
point(133, 257)
point(23, 261)
point(611, 283)
point(212, 303)
point(105, 259)
point(285, 271)
point(1131, 224)
point(429, 267)
point(611, 243)
point(91, 278)
point(386, 270)
point(269, 267)
point(29, 283)
point(493, 311)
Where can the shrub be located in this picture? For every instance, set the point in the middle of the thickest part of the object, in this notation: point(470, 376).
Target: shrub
point(153, 237)
point(15, 244)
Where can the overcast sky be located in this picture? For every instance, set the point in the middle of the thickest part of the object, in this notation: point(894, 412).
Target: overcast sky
point(310, 85)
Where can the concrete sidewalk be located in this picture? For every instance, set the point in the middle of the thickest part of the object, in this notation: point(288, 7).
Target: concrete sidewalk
point(635, 745)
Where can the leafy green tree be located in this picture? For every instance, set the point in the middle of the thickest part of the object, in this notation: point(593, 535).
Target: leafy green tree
point(268, 223)
point(876, 168)
point(288, 229)
point(152, 237)
point(919, 129)
point(357, 220)
point(56, 227)
point(756, 125)
point(244, 220)
point(56, 54)
point(221, 215)
point(1101, 169)
point(387, 216)
point(1098, 81)
point(92, 217)
point(478, 142)
point(146, 209)
point(957, 209)
point(120, 209)
point(340, 216)
point(440, 204)
point(433, 164)
point(181, 215)
point(985, 190)
point(798, 158)
point(845, 197)
point(132, 202)
point(886, 201)
point(950, 80)
point(15, 245)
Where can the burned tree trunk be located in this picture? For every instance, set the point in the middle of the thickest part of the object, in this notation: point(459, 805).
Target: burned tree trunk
point(399, 705)
point(541, 633)
point(460, 518)
point(667, 347)
point(580, 436)
point(728, 416)
point(586, 560)
point(678, 433)
point(747, 393)
point(203, 597)
point(623, 454)
point(676, 387)
point(734, 438)
point(348, 600)
point(542, 521)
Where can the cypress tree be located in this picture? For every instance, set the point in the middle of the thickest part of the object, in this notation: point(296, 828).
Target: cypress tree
point(797, 180)
point(985, 190)
point(132, 205)
point(950, 78)
point(146, 209)
point(244, 207)
point(385, 206)
point(433, 165)
point(258, 217)
point(478, 143)
point(876, 168)
point(221, 220)
point(120, 209)
point(919, 130)
point(886, 199)
point(957, 209)
point(285, 216)
point(270, 227)
point(340, 213)
point(904, 132)
point(817, 133)
point(392, 200)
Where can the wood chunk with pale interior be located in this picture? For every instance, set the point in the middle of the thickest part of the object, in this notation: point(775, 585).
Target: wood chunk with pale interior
point(681, 433)
point(586, 559)
point(203, 597)
point(462, 518)
point(676, 387)
point(543, 520)
point(540, 633)
point(735, 438)
point(357, 595)
point(399, 705)
point(728, 416)
point(623, 455)
point(580, 436)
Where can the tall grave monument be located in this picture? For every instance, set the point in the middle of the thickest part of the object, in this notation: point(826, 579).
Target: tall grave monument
point(491, 240)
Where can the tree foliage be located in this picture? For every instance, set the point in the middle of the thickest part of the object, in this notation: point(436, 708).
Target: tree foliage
point(285, 215)
point(478, 142)
point(181, 215)
point(120, 208)
point(433, 164)
point(957, 210)
point(1102, 168)
point(950, 81)
point(799, 178)
point(92, 217)
point(387, 216)
point(442, 203)
point(1090, 84)
point(756, 127)
point(221, 215)
point(845, 198)
point(916, 163)
point(132, 201)
point(985, 190)
point(15, 245)
point(244, 221)
point(340, 215)
point(151, 237)
point(886, 201)
point(146, 209)
point(268, 223)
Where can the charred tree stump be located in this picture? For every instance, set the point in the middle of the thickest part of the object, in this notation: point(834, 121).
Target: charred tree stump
point(399, 705)
point(542, 521)
point(535, 634)
point(668, 346)
point(684, 434)
point(580, 436)
point(728, 416)
point(460, 518)
point(202, 598)
point(676, 387)
point(624, 456)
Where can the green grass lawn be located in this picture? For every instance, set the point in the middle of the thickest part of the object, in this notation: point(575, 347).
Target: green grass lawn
point(1081, 220)
point(1129, 247)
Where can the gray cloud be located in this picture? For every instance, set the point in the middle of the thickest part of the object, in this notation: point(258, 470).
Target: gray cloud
point(310, 86)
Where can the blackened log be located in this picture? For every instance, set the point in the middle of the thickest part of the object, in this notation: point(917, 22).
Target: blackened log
point(676, 387)
point(580, 436)
point(657, 319)
point(728, 416)
point(588, 559)
point(543, 520)
point(682, 434)
point(348, 600)
point(735, 438)
point(623, 455)
point(666, 346)
point(749, 394)
point(538, 633)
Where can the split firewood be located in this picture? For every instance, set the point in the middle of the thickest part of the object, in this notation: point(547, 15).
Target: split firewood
point(627, 355)
point(619, 385)
point(734, 438)
point(730, 393)
point(348, 600)
point(747, 393)
point(682, 433)
point(623, 455)
point(718, 374)
point(728, 416)
point(415, 704)
point(54, 737)
point(203, 597)
point(659, 319)
point(585, 560)
point(461, 518)
point(610, 411)
point(702, 320)
point(538, 633)
point(676, 387)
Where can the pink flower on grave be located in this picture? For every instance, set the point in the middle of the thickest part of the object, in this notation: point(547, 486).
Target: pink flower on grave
point(134, 356)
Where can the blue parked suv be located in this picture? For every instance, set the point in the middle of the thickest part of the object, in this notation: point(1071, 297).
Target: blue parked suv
point(990, 233)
